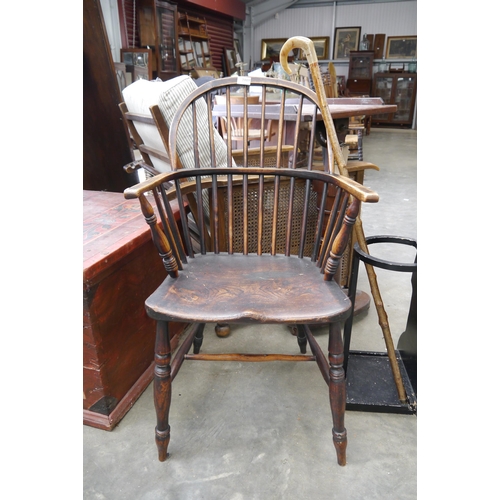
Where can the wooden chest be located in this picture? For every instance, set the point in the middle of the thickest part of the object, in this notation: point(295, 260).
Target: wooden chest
point(121, 268)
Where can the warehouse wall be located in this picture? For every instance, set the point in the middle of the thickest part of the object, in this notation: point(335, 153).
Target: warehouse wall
point(391, 18)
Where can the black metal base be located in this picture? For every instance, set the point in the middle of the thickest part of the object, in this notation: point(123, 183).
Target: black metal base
point(370, 384)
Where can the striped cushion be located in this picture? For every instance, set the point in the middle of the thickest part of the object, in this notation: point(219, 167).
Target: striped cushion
point(168, 103)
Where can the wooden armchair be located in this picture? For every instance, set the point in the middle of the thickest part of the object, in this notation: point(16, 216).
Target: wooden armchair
point(228, 280)
point(237, 128)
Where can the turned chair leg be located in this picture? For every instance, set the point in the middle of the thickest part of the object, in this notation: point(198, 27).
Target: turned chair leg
point(198, 338)
point(301, 339)
point(337, 391)
point(162, 388)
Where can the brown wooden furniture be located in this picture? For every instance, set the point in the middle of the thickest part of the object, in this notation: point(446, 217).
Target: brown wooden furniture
point(253, 129)
point(399, 89)
point(194, 43)
point(158, 30)
point(120, 269)
point(378, 45)
point(359, 80)
point(361, 64)
point(295, 287)
point(148, 152)
point(106, 147)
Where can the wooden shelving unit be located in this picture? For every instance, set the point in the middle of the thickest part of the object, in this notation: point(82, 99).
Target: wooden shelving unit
point(193, 42)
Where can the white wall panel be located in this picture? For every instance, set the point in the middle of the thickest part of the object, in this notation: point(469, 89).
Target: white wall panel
point(310, 22)
point(392, 18)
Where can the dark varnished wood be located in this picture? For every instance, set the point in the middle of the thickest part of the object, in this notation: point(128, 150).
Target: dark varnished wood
point(337, 390)
point(253, 289)
point(106, 147)
point(259, 245)
point(162, 388)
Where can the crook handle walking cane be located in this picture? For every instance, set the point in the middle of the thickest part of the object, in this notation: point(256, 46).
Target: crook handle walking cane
point(307, 46)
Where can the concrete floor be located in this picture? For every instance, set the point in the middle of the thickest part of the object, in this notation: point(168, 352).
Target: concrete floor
point(263, 430)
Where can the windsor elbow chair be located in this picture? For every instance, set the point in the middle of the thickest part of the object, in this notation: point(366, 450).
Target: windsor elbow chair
point(240, 270)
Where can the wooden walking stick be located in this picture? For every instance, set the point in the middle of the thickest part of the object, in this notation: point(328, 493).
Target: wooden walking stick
point(300, 42)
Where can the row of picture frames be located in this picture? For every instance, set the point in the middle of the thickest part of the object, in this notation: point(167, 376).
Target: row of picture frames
point(397, 47)
point(346, 40)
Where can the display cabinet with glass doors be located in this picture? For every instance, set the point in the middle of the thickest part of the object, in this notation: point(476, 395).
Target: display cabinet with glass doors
point(399, 89)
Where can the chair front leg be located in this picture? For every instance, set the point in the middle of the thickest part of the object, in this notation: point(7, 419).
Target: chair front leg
point(337, 390)
point(162, 388)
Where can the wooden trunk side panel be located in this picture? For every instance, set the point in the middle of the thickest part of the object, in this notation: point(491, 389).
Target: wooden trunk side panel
point(121, 269)
point(122, 333)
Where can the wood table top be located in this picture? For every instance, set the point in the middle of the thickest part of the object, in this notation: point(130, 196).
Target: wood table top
point(343, 107)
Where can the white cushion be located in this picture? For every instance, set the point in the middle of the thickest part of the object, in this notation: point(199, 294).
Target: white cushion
point(142, 94)
point(139, 97)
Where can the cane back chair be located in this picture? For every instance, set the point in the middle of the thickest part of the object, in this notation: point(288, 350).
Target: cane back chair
point(245, 276)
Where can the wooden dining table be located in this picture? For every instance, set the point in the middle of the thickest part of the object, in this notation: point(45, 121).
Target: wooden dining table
point(341, 109)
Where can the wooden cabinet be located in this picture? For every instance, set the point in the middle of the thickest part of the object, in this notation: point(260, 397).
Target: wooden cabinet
point(359, 81)
point(359, 86)
point(361, 64)
point(193, 42)
point(158, 30)
point(399, 89)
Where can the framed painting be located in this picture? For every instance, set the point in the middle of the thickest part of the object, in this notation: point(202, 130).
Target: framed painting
point(230, 58)
point(271, 47)
point(401, 47)
point(346, 39)
point(321, 45)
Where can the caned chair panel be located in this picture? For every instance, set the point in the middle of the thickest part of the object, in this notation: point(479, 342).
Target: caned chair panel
point(268, 213)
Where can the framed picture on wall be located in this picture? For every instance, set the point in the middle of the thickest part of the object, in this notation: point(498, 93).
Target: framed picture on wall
point(401, 47)
point(321, 45)
point(271, 47)
point(346, 39)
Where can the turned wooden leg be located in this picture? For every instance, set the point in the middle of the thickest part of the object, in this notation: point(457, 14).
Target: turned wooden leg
point(222, 329)
point(198, 339)
point(337, 391)
point(301, 339)
point(162, 388)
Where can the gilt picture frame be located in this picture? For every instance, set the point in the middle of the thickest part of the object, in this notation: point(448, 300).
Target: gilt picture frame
point(321, 45)
point(401, 47)
point(271, 47)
